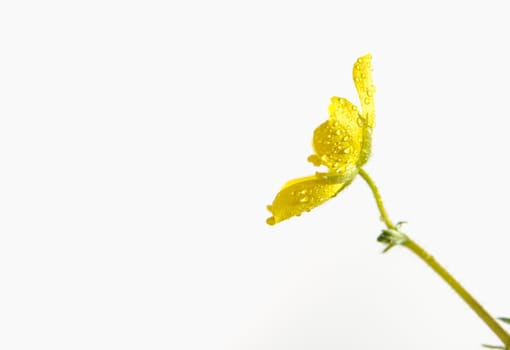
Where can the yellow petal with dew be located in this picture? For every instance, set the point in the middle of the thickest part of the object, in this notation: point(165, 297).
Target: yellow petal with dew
point(362, 75)
point(304, 194)
point(338, 141)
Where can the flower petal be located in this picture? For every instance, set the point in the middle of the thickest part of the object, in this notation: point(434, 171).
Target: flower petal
point(362, 75)
point(337, 142)
point(304, 194)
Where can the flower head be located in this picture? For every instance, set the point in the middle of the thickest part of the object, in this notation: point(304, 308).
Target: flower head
point(342, 144)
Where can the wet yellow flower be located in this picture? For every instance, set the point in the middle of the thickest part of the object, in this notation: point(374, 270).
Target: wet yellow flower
point(342, 144)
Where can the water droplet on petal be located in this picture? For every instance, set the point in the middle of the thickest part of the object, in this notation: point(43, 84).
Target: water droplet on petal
point(304, 199)
point(350, 167)
point(360, 121)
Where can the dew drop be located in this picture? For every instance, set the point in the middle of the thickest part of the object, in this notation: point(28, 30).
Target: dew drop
point(350, 167)
point(360, 121)
point(345, 138)
point(304, 199)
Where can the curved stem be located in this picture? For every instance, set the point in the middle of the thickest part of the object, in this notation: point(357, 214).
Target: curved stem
point(459, 289)
point(378, 198)
point(438, 268)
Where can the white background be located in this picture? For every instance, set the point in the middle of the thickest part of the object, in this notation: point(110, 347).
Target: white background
point(141, 141)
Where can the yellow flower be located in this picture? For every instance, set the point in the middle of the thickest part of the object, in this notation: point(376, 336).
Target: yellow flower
point(342, 144)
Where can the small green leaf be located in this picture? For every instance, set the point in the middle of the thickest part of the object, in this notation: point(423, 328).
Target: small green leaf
point(504, 319)
point(493, 346)
point(391, 237)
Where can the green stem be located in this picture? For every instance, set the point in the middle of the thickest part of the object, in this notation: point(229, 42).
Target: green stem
point(460, 290)
point(378, 198)
point(438, 268)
